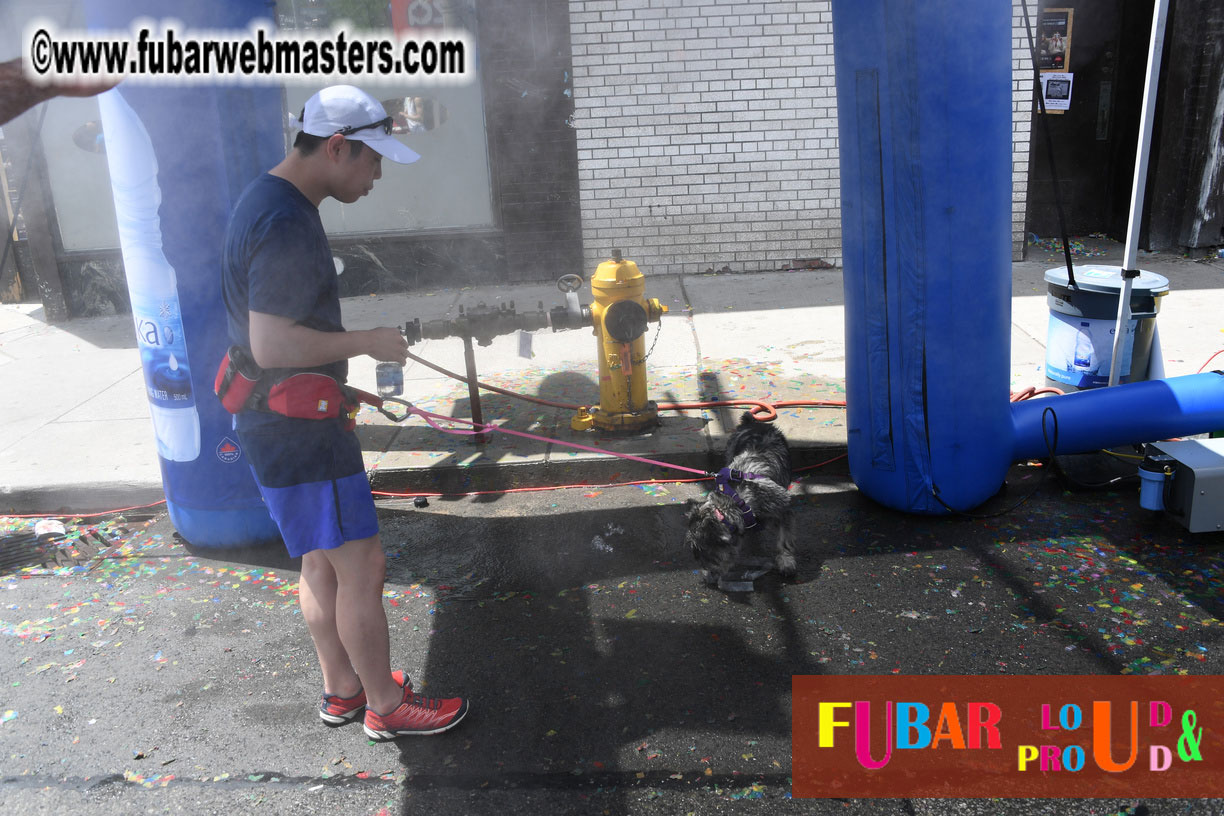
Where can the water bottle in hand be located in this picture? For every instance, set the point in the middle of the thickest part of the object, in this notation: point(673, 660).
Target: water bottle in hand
point(390, 378)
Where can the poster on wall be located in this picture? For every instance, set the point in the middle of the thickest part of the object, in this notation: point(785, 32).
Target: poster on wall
point(443, 122)
point(1054, 55)
point(1054, 40)
point(1056, 89)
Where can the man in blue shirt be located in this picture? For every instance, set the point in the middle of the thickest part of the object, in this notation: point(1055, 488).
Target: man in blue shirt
point(282, 300)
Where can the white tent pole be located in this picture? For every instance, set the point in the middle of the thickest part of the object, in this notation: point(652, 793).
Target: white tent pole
point(1130, 269)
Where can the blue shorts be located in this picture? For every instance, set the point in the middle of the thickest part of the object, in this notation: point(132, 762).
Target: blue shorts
point(313, 481)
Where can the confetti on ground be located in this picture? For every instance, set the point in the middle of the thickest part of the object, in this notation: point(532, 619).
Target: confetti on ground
point(1073, 576)
point(1077, 245)
point(157, 781)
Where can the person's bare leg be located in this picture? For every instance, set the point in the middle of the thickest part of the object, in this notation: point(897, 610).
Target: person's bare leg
point(360, 568)
point(317, 598)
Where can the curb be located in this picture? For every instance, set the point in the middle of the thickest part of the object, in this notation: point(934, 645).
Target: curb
point(68, 499)
point(503, 476)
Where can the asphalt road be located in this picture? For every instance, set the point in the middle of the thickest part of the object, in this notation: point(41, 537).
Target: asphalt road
point(141, 676)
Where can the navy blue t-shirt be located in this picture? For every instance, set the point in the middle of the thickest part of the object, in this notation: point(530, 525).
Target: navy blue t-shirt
point(277, 261)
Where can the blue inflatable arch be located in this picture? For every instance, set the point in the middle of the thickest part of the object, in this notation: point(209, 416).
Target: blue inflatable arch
point(179, 156)
point(924, 117)
point(924, 90)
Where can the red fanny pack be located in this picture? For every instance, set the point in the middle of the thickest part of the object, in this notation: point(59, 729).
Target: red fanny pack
point(237, 379)
point(316, 396)
point(306, 395)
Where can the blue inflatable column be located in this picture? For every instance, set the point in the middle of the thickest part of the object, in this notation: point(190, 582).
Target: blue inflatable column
point(924, 94)
point(179, 156)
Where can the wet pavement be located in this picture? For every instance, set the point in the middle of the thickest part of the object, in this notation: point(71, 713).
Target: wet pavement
point(605, 677)
point(145, 676)
point(77, 437)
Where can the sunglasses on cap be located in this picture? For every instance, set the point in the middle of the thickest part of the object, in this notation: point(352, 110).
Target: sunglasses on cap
point(383, 124)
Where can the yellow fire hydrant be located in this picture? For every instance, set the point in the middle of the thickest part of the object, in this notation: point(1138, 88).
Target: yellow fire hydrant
point(619, 315)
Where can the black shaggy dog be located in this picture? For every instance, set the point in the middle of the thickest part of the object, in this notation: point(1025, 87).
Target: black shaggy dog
point(722, 523)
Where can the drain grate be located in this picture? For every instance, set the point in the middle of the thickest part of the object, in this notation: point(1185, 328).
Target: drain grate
point(20, 550)
point(17, 551)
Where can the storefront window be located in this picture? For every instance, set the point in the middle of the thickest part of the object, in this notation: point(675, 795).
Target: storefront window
point(449, 187)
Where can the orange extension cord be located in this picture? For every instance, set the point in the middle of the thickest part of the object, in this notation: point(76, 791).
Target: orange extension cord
point(761, 410)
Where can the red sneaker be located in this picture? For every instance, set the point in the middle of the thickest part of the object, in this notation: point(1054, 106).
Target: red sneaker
point(340, 710)
point(416, 716)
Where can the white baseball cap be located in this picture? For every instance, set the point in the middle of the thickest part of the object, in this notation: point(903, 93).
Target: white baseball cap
point(358, 116)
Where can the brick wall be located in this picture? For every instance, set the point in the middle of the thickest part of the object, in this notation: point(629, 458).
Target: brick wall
point(707, 133)
point(1022, 118)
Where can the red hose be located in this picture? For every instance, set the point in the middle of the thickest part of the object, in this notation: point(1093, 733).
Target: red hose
point(761, 411)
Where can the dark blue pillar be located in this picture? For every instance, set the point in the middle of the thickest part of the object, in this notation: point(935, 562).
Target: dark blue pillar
point(924, 90)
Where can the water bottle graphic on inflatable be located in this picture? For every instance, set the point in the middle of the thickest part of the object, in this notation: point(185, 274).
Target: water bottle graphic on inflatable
point(151, 283)
point(176, 171)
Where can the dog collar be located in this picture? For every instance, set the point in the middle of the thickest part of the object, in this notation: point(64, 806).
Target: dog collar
point(723, 481)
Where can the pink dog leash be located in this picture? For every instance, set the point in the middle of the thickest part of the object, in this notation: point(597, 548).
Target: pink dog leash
point(432, 420)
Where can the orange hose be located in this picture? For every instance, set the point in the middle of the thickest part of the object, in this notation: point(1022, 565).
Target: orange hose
point(761, 411)
point(1209, 359)
point(81, 515)
point(392, 495)
point(1031, 392)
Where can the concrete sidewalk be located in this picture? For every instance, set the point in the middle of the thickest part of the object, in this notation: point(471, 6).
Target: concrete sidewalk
point(75, 433)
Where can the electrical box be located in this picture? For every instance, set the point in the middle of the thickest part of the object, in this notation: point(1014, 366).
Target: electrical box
point(1194, 496)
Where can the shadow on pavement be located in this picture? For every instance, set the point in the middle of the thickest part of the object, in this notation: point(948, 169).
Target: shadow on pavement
point(594, 655)
point(585, 670)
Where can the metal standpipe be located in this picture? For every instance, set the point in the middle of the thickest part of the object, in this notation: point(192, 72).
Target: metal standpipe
point(481, 324)
point(619, 316)
point(469, 369)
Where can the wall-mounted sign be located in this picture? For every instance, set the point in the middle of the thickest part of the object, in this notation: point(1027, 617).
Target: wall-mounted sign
point(1054, 55)
point(1054, 40)
point(1056, 89)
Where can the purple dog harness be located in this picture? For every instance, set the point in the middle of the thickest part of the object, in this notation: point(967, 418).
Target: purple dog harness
point(723, 483)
